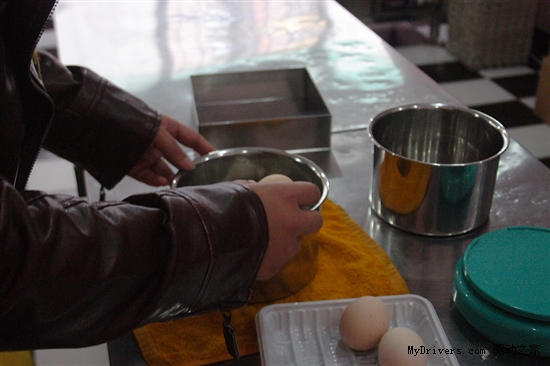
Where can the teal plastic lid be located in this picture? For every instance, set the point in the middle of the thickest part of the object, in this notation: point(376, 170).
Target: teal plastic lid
point(495, 323)
point(510, 268)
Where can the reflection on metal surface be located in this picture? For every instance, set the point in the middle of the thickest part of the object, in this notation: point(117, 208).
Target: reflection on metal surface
point(402, 183)
point(215, 34)
point(458, 182)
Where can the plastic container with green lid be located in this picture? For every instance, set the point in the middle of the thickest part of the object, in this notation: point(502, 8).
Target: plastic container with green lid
point(502, 287)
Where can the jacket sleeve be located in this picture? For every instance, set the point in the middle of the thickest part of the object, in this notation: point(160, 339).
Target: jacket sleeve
point(75, 274)
point(96, 125)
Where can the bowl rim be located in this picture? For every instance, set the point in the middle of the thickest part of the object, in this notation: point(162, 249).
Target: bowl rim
point(263, 150)
point(434, 106)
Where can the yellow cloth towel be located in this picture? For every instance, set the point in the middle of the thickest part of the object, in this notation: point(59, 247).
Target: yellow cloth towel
point(16, 358)
point(350, 264)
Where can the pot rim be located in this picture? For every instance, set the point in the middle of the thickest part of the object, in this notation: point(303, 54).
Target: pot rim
point(264, 150)
point(433, 106)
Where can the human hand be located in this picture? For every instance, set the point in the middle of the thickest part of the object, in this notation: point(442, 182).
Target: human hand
point(286, 220)
point(152, 168)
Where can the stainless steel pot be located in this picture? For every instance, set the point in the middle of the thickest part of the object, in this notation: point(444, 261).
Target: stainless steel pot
point(435, 167)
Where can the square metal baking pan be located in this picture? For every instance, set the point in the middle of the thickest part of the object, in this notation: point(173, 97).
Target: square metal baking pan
point(274, 108)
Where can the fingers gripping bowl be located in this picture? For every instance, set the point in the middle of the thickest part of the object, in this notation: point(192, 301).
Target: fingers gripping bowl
point(254, 164)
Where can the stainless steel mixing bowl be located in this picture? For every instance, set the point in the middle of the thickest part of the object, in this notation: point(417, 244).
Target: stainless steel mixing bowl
point(254, 164)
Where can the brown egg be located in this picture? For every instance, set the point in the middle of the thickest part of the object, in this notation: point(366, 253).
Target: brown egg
point(276, 178)
point(393, 349)
point(364, 322)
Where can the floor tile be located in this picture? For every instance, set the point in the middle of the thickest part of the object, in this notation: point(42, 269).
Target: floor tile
point(529, 101)
point(535, 138)
point(521, 85)
point(399, 33)
point(478, 92)
point(426, 54)
point(546, 161)
point(541, 44)
point(450, 71)
point(501, 72)
point(426, 30)
point(510, 114)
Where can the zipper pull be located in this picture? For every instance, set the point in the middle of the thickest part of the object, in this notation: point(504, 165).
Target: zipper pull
point(230, 337)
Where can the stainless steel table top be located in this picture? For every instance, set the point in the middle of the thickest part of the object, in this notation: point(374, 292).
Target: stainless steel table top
point(152, 48)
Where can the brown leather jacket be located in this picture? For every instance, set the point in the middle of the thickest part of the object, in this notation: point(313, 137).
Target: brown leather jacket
point(74, 273)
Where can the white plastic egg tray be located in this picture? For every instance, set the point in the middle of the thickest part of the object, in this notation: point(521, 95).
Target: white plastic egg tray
point(307, 333)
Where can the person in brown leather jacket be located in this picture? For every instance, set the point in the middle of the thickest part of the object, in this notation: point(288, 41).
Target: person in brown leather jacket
point(75, 273)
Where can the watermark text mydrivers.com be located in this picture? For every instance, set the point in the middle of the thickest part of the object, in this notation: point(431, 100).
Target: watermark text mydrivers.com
point(433, 351)
point(498, 349)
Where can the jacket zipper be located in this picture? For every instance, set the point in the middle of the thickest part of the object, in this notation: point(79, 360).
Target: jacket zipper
point(39, 89)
